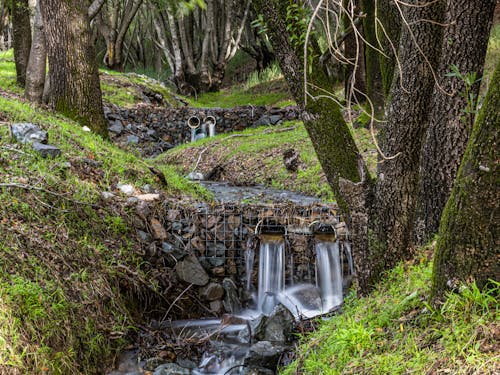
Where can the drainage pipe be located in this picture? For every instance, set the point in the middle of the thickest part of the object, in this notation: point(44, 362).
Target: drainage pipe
point(211, 121)
point(194, 123)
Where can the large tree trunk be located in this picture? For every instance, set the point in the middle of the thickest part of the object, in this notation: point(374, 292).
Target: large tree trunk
point(22, 38)
point(468, 248)
point(35, 79)
point(464, 45)
point(401, 138)
point(74, 77)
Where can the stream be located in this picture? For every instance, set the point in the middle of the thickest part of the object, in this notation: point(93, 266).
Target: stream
point(259, 337)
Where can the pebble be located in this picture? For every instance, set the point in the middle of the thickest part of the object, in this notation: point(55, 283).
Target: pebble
point(126, 189)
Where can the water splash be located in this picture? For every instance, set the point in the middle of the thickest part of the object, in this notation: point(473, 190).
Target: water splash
point(271, 272)
point(329, 274)
point(249, 261)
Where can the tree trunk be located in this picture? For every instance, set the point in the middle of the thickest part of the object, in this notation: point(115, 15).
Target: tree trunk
point(35, 79)
point(468, 248)
point(2, 36)
point(402, 137)
point(464, 45)
point(374, 89)
point(21, 38)
point(388, 31)
point(354, 51)
point(74, 78)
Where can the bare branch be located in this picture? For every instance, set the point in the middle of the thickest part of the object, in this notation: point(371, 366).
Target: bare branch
point(95, 8)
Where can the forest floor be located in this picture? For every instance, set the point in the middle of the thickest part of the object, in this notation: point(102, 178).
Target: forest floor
point(74, 285)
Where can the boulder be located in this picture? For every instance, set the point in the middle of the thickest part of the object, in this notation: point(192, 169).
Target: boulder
point(212, 292)
point(232, 303)
point(47, 151)
point(263, 354)
point(191, 271)
point(28, 133)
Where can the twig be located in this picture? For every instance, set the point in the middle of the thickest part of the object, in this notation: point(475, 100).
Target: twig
point(199, 159)
point(175, 300)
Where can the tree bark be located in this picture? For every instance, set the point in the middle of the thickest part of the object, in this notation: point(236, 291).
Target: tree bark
point(74, 78)
point(464, 44)
point(388, 31)
point(374, 88)
point(21, 38)
point(468, 248)
point(35, 79)
point(402, 137)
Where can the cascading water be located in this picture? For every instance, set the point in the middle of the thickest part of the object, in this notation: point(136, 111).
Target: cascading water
point(271, 272)
point(329, 274)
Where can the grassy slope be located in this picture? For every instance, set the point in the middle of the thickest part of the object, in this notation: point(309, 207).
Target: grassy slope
point(256, 156)
point(394, 331)
point(72, 277)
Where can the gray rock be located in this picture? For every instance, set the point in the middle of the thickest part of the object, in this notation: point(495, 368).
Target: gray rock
point(148, 189)
point(28, 133)
point(47, 151)
point(263, 354)
point(191, 271)
point(126, 189)
point(132, 139)
point(173, 250)
point(171, 369)
point(107, 196)
point(186, 363)
point(116, 127)
point(274, 119)
point(146, 237)
point(152, 363)
point(232, 303)
point(212, 292)
point(195, 176)
point(278, 327)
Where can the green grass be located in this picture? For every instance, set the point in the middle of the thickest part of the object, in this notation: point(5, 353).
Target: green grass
point(268, 88)
point(72, 274)
point(8, 72)
point(395, 331)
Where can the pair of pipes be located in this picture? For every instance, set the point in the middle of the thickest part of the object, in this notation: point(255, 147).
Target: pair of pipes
point(200, 132)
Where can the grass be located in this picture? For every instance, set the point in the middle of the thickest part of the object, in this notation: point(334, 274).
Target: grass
point(395, 331)
point(73, 278)
point(266, 88)
point(254, 156)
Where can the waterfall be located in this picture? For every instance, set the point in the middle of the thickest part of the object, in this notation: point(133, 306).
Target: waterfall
point(249, 259)
point(271, 272)
point(329, 274)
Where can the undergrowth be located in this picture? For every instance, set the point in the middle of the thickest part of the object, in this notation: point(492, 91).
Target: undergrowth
point(73, 277)
point(395, 330)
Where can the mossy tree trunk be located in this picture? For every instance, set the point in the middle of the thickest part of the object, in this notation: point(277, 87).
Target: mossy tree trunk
point(21, 38)
point(35, 74)
point(464, 44)
point(73, 73)
point(468, 248)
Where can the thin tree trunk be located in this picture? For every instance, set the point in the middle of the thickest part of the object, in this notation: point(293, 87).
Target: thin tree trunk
point(464, 45)
point(388, 31)
point(402, 137)
point(74, 77)
point(374, 89)
point(35, 79)
point(21, 38)
point(468, 248)
point(2, 36)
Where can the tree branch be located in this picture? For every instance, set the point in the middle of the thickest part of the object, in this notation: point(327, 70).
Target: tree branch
point(95, 8)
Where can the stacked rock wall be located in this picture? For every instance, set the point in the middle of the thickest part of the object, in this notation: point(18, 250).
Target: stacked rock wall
point(205, 246)
point(156, 129)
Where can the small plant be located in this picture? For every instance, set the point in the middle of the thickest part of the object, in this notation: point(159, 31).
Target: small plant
point(470, 80)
